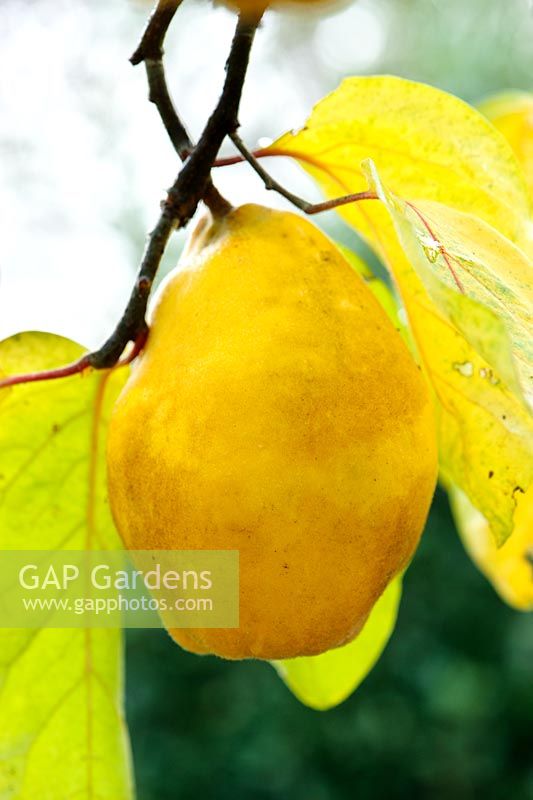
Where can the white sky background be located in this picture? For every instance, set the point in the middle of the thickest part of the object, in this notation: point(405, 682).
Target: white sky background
point(84, 160)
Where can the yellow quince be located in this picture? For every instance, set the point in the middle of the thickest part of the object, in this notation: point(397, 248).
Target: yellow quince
point(275, 411)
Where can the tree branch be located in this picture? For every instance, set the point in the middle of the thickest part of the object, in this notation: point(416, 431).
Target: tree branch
point(151, 44)
point(192, 184)
point(160, 97)
point(178, 135)
point(224, 119)
point(184, 195)
point(273, 185)
point(269, 182)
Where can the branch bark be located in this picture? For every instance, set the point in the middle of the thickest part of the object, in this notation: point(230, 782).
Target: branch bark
point(151, 44)
point(159, 95)
point(273, 185)
point(192, 184)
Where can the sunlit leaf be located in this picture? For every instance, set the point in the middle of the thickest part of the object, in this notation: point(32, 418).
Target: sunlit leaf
point(432, 148)
point(512, 114)
point(468, 293)
point(62, 731)
point(324, 681)
point(508, 568)
point(478, 280)
point(426, 144)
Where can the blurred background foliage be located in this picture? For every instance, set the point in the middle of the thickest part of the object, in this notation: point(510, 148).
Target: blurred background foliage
point(448, 711)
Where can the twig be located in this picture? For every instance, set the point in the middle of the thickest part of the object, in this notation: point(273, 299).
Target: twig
point(160, 97)
point(273, 185)
point(178, 135)
point(328, 205)
point(269, 182)
point(224, 119)
point(184, 195)
point(75, 368)
point(151, 44)
point(192, 184)
point(48, 374)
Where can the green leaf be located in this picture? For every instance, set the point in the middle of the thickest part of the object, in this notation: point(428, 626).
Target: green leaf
point(324, 681)
point(62, 730)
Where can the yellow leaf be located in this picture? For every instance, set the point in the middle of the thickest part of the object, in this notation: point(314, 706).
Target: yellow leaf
point(479, 280)
point(426, 144)
point(468, 294)
point(508, 568)
point(485, 433)
point(324, 681)
point(512, 114)
point(62, 731)
point(452, 167)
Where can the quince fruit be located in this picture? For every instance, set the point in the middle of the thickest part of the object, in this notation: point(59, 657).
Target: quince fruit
point(276, 411)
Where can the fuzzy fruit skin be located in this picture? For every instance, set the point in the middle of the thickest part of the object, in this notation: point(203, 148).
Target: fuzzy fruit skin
point(276, 411)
